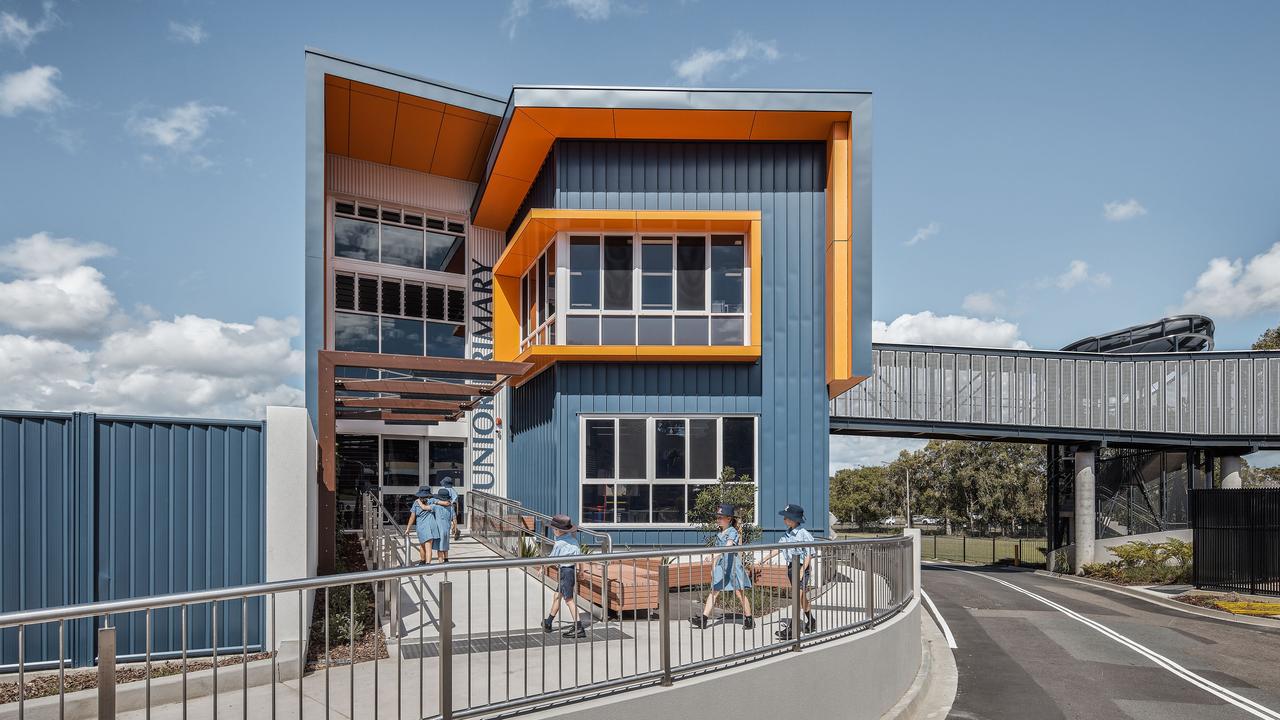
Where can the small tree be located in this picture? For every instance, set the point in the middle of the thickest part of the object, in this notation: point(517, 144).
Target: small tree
point(737, 490)
point(1269, 340)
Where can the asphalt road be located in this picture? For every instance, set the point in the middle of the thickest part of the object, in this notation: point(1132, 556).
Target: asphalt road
point(1030, 646)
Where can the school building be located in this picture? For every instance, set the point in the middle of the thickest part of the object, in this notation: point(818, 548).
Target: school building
point(635, 288)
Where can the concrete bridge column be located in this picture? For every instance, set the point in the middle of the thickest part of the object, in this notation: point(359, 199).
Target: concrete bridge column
point(1231, 467)
point(1085, 508)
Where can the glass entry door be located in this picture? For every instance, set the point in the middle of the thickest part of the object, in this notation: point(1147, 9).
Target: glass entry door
point(401, 475)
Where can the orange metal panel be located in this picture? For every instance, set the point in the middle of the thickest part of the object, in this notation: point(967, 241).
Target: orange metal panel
point(502, 197)
point(788, 125)
point(416, 130)
point(462, 112)
point(375, 91)
point(524, 148)
point(683, 124)
point(506, 322)
point(424, 103)
point(839, 196)
point(337, 117)
point(755, 250)
point(373, 120)
point(456, 148)
point(574, 122)
point(335, 81)
point(482, 151)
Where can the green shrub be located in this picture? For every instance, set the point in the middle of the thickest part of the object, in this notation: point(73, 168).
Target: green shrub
point(1141, 563)
point(739, 491)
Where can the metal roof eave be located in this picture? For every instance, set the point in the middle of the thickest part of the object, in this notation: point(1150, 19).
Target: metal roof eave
point(408, 83)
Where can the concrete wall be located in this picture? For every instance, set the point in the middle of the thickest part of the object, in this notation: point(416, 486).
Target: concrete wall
point(291, 516)
point(857, 678)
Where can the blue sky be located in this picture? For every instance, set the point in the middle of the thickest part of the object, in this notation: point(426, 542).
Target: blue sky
point(1041, 172)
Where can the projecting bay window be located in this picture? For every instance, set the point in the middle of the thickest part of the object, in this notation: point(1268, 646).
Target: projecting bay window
point(649, 470)
point(379, 314)
point(639, 289)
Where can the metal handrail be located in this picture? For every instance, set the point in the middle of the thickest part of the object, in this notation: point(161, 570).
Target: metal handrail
point(477, 497)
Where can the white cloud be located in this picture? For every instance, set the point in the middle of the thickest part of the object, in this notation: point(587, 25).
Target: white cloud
point(707, 62)
point(21, 32)
point(516, 12)
point(594, 10)
point(54, 292)
point(41, 374)
point(31, 89)
point(984, 303)
point(192, 32)
point(927, 328)
point(1120, 211)
point(589, 10)
point(1078, 273)
point(924, 233)
point(851, 451)
point(1233, 288)
point(181, 130)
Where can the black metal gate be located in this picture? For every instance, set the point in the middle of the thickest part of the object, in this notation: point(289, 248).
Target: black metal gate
point(1236, 536)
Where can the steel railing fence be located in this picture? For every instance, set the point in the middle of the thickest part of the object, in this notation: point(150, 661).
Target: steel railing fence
point(512, 529)
point(1236, 539)
point(465, 639)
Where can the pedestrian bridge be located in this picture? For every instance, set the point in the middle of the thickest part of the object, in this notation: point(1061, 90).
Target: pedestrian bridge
point(1225, 400)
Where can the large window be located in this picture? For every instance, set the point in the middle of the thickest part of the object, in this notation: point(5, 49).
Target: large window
point(649, 470)
point(396, 236)
point(639, 290)
point(400, 317)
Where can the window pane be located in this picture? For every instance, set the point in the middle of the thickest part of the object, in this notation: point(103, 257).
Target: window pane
point(582, 330)
point(668, 503)
point(355, 239)
point(656, 291)
point(693, 491)
point(355, 333)
point(656, 257)
point(525, 325)
point(726, 273)
point(691, 280)
point(401, 336)
point(533, 281)
point(617, 273)
point(631, 446)
point(691, 331)
point(444, 460)
point(598, 448)
point(400, 462)
point(584, 273)
point(549, 295)
point(702, 449)
point(617, 330)
point(445, 340)
point(654, 331)
point(739, 445)
point(726, 331)
point(594, 509)
point(669, 449)
point(402, 246)
point(445, 253)
point(356, 470)
point(633, 503)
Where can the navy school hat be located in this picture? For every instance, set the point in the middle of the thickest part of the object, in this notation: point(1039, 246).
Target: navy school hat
point(792, 511)
point(447, 481)
point(424, 492)
point(727, 510)
point(442, 494)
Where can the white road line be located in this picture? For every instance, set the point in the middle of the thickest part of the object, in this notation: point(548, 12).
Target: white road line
point(942, 622)
point(1234, 698)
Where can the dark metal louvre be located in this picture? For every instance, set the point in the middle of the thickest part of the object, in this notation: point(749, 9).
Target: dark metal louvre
point(413, 300)
point(367, 297)
point(435, 302)
point(1236, 540)
point(391, 297)
point(344, 291)
point(457, 305)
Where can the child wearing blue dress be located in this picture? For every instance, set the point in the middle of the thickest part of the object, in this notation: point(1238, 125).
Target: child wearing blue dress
point(442, 506)
point(728, 572)
point(429, 518)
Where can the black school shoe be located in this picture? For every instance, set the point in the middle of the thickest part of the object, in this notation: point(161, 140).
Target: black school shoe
point(748, 623)
point(785, 632)
point(810, 624)
point(546, 625)
point(575, 631)
point(700, 621)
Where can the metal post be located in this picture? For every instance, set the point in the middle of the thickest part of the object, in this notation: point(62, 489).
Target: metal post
point(446, 650)
point(664, 621)
point(106, 672)
point(797, 589)
point(993, 549)
point(869, 584)
point(1017, 554)
point(964, 548)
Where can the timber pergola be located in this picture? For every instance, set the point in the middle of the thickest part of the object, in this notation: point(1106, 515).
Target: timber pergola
point(398, 389)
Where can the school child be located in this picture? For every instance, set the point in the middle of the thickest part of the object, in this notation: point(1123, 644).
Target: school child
point(728, 573)
point(442, 506)
point(422, 518)
point(793, 518)
point(566, 546)
point(447, 484)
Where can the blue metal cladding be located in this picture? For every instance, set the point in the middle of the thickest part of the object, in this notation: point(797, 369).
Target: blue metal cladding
point(786, 183)
point(533, 450)
point(115, 507)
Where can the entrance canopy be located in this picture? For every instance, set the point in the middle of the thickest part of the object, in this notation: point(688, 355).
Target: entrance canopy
point(400, 389)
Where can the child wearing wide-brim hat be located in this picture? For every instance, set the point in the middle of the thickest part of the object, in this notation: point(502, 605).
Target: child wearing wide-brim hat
point(567, 575)
point(423, 520)
point(442, 506)
point(728, 572)
point(793, 518)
